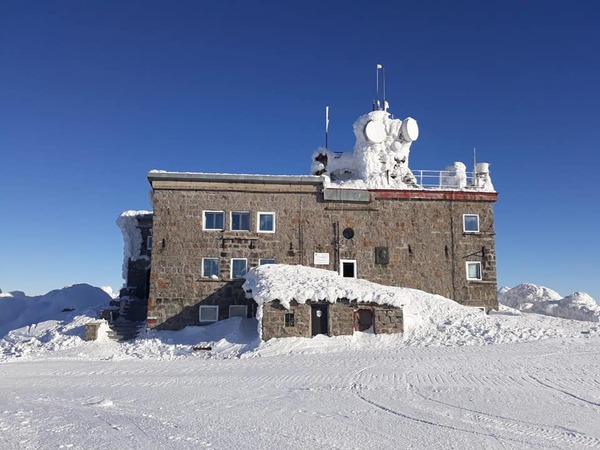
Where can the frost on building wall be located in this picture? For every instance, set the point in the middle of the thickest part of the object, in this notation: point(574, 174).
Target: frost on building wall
point(136, 228)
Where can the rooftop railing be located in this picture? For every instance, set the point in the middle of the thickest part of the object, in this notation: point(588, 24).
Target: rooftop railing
point(448, 179)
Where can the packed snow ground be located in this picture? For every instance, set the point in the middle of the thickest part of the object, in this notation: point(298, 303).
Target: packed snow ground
point(440, 385)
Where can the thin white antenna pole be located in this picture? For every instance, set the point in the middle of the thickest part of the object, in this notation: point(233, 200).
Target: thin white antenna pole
point(383, 69)
point(326, 127)
point(377, 68)
point(474, 160)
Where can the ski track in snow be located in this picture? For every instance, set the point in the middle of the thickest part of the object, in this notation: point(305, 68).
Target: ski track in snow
point(542, 394)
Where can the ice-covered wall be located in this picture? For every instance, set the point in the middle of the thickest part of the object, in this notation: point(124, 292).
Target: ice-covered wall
point(132, 237)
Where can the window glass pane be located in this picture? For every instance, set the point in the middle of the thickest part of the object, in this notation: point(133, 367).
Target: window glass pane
point(262, 262)
point(214, 220)
point(289, 319)
point(238, 268)
point(474, 271)
point(266, 222)
point(471, 222)
point(240, 221)
point(209, 313)
point(210, 267)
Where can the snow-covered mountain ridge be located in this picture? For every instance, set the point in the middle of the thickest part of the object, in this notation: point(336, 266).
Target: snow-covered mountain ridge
point(542, 300)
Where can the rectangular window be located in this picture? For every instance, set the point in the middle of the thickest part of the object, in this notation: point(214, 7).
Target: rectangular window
point(289, 319)
point(237, 310)
point(473, 271)
point(240, 221)
point(266, 222)
point(348, 268)
point(208, 314)
point(471, 223)
point(214, 220)
point(210, 267)
point(239, 267)
point(149, 242)
point(263, 261)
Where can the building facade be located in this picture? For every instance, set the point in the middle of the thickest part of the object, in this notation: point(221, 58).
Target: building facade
point(209, 229)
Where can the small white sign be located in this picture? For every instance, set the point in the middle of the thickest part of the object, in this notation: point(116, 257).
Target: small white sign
point(321, 259)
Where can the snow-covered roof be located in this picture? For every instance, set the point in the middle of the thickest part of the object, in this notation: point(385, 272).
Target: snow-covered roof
point(161, 175)
point(300, 283)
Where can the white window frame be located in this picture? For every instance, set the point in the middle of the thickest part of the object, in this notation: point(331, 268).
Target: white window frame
point(204, 220)
point(231, 268)
point(245, 314)
point(218, 267)
point(258, 222)
point(467, 264)
point(342, 261)
point(240, 212)
point(208, 307)
point(261, 263)
point(149, 242)
point(465, 223)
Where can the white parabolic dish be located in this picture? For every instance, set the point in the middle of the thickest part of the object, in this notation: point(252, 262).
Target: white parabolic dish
point(410, 129)
point(375, 131)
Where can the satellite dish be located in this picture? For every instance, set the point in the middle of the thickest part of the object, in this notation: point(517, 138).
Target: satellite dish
point(409, 130)
point(375, 132)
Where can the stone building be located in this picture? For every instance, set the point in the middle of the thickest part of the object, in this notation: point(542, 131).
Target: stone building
point(381, 222)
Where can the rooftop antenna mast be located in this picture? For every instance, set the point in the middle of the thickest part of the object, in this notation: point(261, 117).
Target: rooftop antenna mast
point(378, 68)
point(327, 127)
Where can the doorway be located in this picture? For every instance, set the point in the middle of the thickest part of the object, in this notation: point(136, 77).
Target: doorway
point(363, 319)
point(319, 320)
point(348, 268)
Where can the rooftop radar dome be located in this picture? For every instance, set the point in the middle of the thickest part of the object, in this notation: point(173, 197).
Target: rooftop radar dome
point(409, 130)
point(375, 132)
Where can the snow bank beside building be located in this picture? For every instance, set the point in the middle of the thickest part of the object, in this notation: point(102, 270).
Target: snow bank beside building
point(428, 319)
point(542, 300)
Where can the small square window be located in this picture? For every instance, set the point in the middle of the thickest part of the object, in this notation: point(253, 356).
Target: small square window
point(239, 267)
point(263, 261)
point(237, 310)
point(210, 267)
point(214, 220)
point(208, 314)
point(473, 271)
point(266, 222)
point(289, 320)
point(471, 223)
point(240, 221)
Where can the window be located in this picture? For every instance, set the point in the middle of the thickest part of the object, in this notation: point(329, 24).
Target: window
point(210, 267)
point(237, 310)
point(149, 242)
point(239, 267)
point(348, 268)
point(208, 314)
point(289, 320)
point(214, 220)
point(263, 261)
point(266, 222)
point(471, 223)
point(473, 271)
point(240, 221)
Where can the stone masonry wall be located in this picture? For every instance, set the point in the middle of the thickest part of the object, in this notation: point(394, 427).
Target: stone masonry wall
point(427, 247)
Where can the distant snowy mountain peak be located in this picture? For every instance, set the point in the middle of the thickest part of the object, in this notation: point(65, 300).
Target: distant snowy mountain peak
point(542, 300)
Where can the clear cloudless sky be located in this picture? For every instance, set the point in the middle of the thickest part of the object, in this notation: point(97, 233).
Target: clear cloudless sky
point(95, 94)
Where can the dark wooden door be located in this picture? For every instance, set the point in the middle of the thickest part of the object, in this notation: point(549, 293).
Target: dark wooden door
point(319, 319)
point(363, 319)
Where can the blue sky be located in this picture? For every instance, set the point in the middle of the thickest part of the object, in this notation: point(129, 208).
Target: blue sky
point(95, 94)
